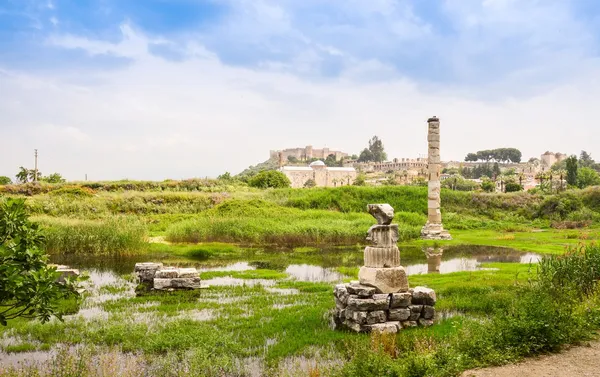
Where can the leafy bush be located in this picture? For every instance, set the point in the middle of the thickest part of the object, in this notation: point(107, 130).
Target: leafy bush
point(560, 206)
point(512, 187)
point(5, 180)
point(28, 286)
point(269, 179)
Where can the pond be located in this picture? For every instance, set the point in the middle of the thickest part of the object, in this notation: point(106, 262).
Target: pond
point(315, 265)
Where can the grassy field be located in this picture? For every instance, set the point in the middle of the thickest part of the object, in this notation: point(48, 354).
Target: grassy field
point(275, 326)
point(76, 216)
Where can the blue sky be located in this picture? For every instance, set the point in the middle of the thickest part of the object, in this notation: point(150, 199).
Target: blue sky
point(160, 89)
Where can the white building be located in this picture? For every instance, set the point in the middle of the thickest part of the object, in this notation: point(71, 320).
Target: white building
point(322, 175)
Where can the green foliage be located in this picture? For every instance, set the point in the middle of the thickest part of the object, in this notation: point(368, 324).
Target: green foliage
point(225, 176)
point(571, 167)
point(501, 154)
point(458, 183)
point(560, 206)
point(332, 162)
point(488, 186)
point(310, 183)
point(512, 187)
point(269, 179)
point(374, 153)
point(28, 287)
point(587, 177)
point(114, 235)
point(53, 178)
point(270, 164)
point(5, 180)
point(360, 180)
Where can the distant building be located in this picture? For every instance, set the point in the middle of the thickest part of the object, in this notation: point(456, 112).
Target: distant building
point(322, 175)
point(550, 158)
point(307, 153)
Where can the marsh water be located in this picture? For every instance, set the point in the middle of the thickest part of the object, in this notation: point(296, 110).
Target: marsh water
point(311, 265)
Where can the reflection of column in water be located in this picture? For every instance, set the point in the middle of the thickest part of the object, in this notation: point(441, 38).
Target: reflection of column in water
point(434, 259)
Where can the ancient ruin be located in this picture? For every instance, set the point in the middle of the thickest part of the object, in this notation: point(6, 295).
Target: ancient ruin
point(154, 276)
point(433, 229)
point(381, 300)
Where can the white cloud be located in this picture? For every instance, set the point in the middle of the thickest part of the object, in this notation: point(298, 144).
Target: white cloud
point(157, 119)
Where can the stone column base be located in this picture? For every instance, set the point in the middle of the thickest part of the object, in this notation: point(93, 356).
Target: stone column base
point(384, 280)
point(358, 308)
point(435, 232)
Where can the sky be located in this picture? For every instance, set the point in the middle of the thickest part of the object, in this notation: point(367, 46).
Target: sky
point(174, 89)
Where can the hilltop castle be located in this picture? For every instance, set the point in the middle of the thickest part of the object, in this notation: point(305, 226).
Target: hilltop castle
point(306, 154)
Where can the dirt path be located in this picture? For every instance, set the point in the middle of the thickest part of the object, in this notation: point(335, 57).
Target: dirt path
point(582, 361)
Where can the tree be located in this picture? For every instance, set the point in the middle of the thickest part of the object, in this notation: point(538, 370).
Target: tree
point(585, 160)
point(33, 176)
point(377, 149)
point(365, 156)
point(488, 186)
point(332, 161)
point(310, 183)
point(511, 186)
point(53, 178)
point(571, 167)
point(28, 286)
point(292, 160)
point(374, 153)
point(471, 157)
point(360, 180)
point(23, 175)
point(587, 177)
point(5, 180)
point(269, 179)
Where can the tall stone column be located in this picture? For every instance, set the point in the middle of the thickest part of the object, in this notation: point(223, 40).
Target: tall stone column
point(433, 229)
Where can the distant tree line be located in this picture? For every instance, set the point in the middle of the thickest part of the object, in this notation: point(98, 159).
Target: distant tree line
point(498, 155)
point(29, 175)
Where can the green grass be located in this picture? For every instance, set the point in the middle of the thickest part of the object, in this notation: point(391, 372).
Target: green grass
point(116, 235)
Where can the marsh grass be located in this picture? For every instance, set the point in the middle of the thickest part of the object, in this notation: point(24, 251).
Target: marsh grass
point(115, 235)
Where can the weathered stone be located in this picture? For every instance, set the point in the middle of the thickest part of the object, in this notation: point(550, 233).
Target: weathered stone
point(400, 300)
point(409, 324)
point(383, 213)
point(65, 272)
point(356, 327)
point(356, 303)
point(166, 273)
point(382, 257)
point(360, 290)
point(400, 314)
point(177, 283)
point(415, 312)
point(339, 304)
point(359, 317)
point(383, 235)
point(187, 273)
point(423, 296)
point(386, 328)
point(377, 316)
point(146, 271)
point(425, 322)
point(386, 280)
point(428, 312)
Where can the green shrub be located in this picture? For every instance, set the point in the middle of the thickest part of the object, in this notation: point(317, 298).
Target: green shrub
point(269, 179)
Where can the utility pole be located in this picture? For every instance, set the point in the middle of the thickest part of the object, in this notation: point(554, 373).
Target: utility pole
point(35, 177)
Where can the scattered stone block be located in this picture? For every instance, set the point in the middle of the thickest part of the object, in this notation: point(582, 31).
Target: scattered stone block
point(428, 312)
point(415, 312)
point(386, 328)
point(406, 324)
point(377, 316)
point(401, 314)
point(166, 273)
point(360, 290)
point(145, 271)
point(425, 322)
point(65, 272)
point(423, 296)
point(367, 304)
point(187, 273)
point(400, 300)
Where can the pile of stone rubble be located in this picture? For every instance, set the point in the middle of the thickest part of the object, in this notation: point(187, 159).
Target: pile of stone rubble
point(381, 300)
point(361, 309)
point(156, 276)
